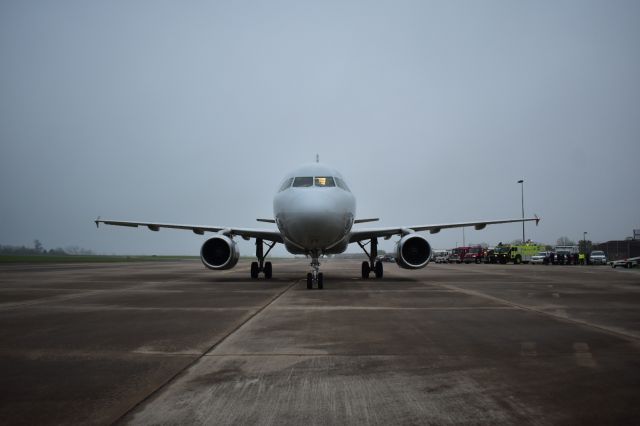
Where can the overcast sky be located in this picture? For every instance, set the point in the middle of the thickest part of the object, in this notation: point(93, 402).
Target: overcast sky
point(191, 112)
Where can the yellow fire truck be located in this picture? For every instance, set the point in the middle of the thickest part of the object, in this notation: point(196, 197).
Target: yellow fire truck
point(515, 253)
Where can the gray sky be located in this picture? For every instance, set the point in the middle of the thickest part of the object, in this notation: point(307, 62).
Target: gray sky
point(191, 112)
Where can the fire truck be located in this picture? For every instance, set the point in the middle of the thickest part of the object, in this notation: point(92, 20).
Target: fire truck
point(457, 254)
point(505, 253)
point(474, 255)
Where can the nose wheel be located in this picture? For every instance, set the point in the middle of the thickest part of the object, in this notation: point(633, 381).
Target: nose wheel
point(319, 280)
point(315, 276)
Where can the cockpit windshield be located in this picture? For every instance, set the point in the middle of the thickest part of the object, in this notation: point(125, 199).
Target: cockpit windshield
point(303, 182)
point(308, 181)
point(342, 185)
point(324, 181)
point(286, 184)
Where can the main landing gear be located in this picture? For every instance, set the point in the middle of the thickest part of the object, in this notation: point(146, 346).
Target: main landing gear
point(261, 265)
point(315, 276)
point(372, 265)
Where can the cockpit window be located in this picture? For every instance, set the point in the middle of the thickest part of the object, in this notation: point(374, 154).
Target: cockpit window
point(324, 181)
point(286, 184)
point(342, 185)
point(303, 182)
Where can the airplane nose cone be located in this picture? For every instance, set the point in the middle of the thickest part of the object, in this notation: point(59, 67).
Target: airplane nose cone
point(317, 221)
point(314, 204)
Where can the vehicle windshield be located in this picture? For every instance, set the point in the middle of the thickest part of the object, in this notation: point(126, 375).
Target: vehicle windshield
point(502, 249)
point(303, 182)
point(476, 250)
point(542, 253)
point(597, 253)
point(324, 181)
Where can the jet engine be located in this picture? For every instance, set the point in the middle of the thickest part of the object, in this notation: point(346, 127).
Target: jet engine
point(413, 252)
point(219, 252)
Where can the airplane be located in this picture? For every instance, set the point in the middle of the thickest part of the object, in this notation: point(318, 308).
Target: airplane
point(314, 211)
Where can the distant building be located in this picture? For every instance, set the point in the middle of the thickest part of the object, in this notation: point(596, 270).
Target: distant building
point(619, 249)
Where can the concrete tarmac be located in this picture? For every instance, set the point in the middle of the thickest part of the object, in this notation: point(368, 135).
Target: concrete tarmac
point(175, 343)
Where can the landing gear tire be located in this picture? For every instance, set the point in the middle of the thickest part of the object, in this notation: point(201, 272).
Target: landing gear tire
point(255, 270)
point(309, 281)
point(320, 280)
point(268, 270)
point(379, 270)
point(365, 270)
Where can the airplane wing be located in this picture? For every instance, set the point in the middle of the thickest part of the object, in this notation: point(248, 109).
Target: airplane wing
point(368, 233)
point(246, 233)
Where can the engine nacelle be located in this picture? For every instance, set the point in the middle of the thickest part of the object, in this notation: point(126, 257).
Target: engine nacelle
point(413, 252)
point(219, 252)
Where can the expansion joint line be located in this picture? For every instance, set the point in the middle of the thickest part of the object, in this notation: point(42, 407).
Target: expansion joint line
point(183, 370)
point(600, 328)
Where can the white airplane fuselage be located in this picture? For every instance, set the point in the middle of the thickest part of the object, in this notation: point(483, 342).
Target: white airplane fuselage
point(316, 218)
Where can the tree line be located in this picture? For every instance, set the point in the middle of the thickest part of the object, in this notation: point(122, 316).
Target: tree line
point(39, 249)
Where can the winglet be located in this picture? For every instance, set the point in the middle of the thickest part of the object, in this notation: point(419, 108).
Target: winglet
point(97, 221)
point(266, 220)
point(374, 219)
point(537, 219)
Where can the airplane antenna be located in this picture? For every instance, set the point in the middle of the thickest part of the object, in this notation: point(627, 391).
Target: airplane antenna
point(317, 158)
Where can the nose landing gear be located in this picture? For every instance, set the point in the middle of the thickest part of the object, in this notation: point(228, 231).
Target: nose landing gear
point(315, 276)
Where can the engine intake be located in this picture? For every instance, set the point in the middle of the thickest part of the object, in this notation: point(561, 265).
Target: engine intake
point(219, 252)
point(413, 251)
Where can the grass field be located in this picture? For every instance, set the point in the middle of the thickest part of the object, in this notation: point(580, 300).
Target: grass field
point(88, 259)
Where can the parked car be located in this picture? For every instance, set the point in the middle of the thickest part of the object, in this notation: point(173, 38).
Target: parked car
point(597, 257)
point(626, 263)
point(541, 257)
point(441, 256)
point(386, 258)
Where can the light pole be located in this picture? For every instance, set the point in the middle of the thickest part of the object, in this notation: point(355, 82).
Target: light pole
point(584, 242)
point(521, 182)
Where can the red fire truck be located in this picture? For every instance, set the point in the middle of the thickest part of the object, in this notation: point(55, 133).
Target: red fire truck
point(474, 255)
point(458, 254)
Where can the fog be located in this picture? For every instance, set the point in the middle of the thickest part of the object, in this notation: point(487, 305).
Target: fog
point(192, 112)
